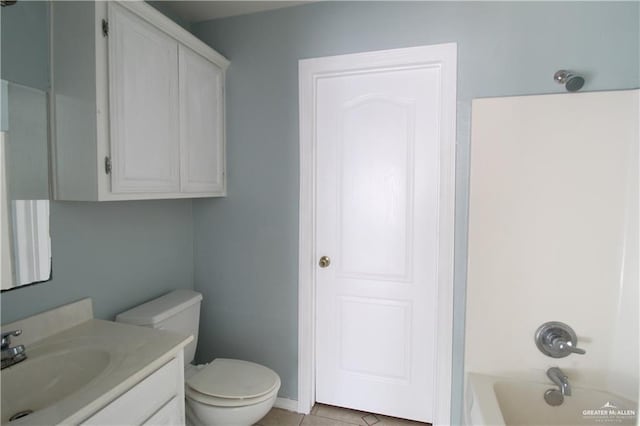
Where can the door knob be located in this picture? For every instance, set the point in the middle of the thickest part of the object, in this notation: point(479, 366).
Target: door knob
point(324, 261)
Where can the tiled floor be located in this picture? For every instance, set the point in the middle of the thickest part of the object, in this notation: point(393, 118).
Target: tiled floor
point(327, 415)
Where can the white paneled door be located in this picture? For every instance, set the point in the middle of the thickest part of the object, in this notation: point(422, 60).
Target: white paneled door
point(378, 133)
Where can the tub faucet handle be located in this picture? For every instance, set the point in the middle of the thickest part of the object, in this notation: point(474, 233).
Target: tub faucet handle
point(557, 340)
point(565, 346)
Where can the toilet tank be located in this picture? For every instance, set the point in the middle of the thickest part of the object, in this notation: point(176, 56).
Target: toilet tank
point(177, 311)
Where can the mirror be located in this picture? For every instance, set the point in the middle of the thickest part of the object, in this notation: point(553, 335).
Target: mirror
point(25, 238)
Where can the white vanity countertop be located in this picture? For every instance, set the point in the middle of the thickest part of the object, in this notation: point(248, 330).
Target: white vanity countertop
point(134, 353)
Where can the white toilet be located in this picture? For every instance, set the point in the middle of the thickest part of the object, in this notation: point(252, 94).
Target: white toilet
point(225, 392)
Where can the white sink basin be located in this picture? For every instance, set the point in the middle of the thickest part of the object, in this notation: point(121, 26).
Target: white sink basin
point(77, 365)
point(48, 375)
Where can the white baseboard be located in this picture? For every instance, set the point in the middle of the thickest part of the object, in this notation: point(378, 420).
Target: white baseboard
point(286, 404)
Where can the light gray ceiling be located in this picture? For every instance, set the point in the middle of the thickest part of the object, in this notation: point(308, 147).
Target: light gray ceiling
point(196, 11)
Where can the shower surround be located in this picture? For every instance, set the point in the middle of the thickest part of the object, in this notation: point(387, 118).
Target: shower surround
point(553, 236)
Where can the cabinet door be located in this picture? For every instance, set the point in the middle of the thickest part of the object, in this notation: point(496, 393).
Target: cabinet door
point(201, 125)
point(143, 92)
point(168, 415)
point(145, 399)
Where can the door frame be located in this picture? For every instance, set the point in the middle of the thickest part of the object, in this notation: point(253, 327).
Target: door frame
point(444, 57)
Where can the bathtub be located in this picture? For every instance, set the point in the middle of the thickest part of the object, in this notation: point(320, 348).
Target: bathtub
point(497, 401)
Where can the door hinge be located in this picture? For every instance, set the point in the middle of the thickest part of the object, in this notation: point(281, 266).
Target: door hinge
point(107, 165)
point(105, 27)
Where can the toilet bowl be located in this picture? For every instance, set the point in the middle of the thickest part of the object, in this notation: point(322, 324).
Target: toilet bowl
point(224, 392)
point(229, 392)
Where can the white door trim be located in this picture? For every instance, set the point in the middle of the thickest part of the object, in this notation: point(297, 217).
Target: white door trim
point(310, 70)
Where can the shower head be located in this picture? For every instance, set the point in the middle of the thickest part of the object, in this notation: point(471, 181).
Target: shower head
point(572, 82)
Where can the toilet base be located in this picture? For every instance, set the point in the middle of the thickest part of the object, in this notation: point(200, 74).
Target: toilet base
point(198, 414)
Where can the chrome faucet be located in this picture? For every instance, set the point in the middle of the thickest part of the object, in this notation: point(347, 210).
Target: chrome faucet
point(560, 379)
point(557, 340)
point(11, 355)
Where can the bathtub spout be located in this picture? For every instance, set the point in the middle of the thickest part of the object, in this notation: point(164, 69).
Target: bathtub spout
point(560, 379)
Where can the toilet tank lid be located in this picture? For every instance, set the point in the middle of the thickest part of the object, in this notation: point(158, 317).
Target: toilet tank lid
point(158, 310)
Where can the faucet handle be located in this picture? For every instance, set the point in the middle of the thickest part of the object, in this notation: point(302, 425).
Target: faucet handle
point(557, 340)
point(564, 347)
point(6, 338)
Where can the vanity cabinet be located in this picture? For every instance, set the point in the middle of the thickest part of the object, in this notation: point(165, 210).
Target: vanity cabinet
point(138, 105)
point(157, 400)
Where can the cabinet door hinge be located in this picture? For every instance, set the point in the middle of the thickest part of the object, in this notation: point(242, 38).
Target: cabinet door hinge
point(107, 165)
point(105, 27)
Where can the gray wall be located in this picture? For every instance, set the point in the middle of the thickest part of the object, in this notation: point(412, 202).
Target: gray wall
point(118, 253)
point(246, 244)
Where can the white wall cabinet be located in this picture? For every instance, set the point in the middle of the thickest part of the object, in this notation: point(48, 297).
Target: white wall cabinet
point(138, 105)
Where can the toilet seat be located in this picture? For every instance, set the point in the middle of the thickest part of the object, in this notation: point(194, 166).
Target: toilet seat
point(231, 383)
point(222, 402)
